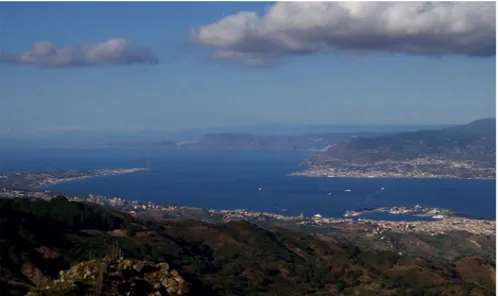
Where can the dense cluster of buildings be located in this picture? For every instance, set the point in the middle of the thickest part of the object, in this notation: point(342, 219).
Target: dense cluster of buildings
point(113, 202)
point(417, 210)
point(478, 227)
point(244, 214)
point(426, 167)
point(131, 207)
point(441, 226)
point(18, 193)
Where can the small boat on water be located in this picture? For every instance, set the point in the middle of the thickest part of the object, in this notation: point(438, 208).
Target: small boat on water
point(382, 189)
point(347, 190)
point(330, 193)
point(260, 189)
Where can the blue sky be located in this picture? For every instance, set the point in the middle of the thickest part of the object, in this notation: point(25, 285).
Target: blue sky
point(212, 74)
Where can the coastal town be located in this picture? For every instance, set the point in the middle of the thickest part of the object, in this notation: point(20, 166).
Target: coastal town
point(445, 223)
point(437, 227)
point(423, 167)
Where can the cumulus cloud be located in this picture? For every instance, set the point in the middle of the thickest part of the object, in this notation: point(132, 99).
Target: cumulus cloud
point(113, 51)
point(291, 28)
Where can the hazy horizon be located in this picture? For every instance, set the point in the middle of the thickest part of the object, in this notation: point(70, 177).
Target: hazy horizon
point(152, 137)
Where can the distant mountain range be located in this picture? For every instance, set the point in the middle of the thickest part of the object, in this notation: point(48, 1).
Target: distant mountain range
point(271, 136)
point(269, 142)
point(472, 141)
point(294, 130)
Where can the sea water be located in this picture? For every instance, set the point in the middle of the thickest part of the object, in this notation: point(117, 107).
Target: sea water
point(231, 179)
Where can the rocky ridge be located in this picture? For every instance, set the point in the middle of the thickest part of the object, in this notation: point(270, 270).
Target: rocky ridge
point(117, 277)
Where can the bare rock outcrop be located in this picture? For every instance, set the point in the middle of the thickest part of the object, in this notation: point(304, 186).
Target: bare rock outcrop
point(117, 277)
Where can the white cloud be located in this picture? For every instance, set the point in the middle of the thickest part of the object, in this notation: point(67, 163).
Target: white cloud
point(113, 51)
point(291, 28)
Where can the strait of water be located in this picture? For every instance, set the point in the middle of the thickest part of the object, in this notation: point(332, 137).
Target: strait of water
point(230, 179)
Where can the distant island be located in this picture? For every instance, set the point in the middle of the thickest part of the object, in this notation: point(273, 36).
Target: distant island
point(465, 151)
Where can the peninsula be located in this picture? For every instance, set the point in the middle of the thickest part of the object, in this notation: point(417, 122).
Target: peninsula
point(38, 179)
point(465, 151)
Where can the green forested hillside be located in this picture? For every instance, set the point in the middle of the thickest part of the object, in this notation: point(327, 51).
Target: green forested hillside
point(237, 258)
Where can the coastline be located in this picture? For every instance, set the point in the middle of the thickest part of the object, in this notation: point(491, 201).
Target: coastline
point(43, 180)
point(106, 172)
point(445, 223)
point(303, 174)
point(432, 227)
